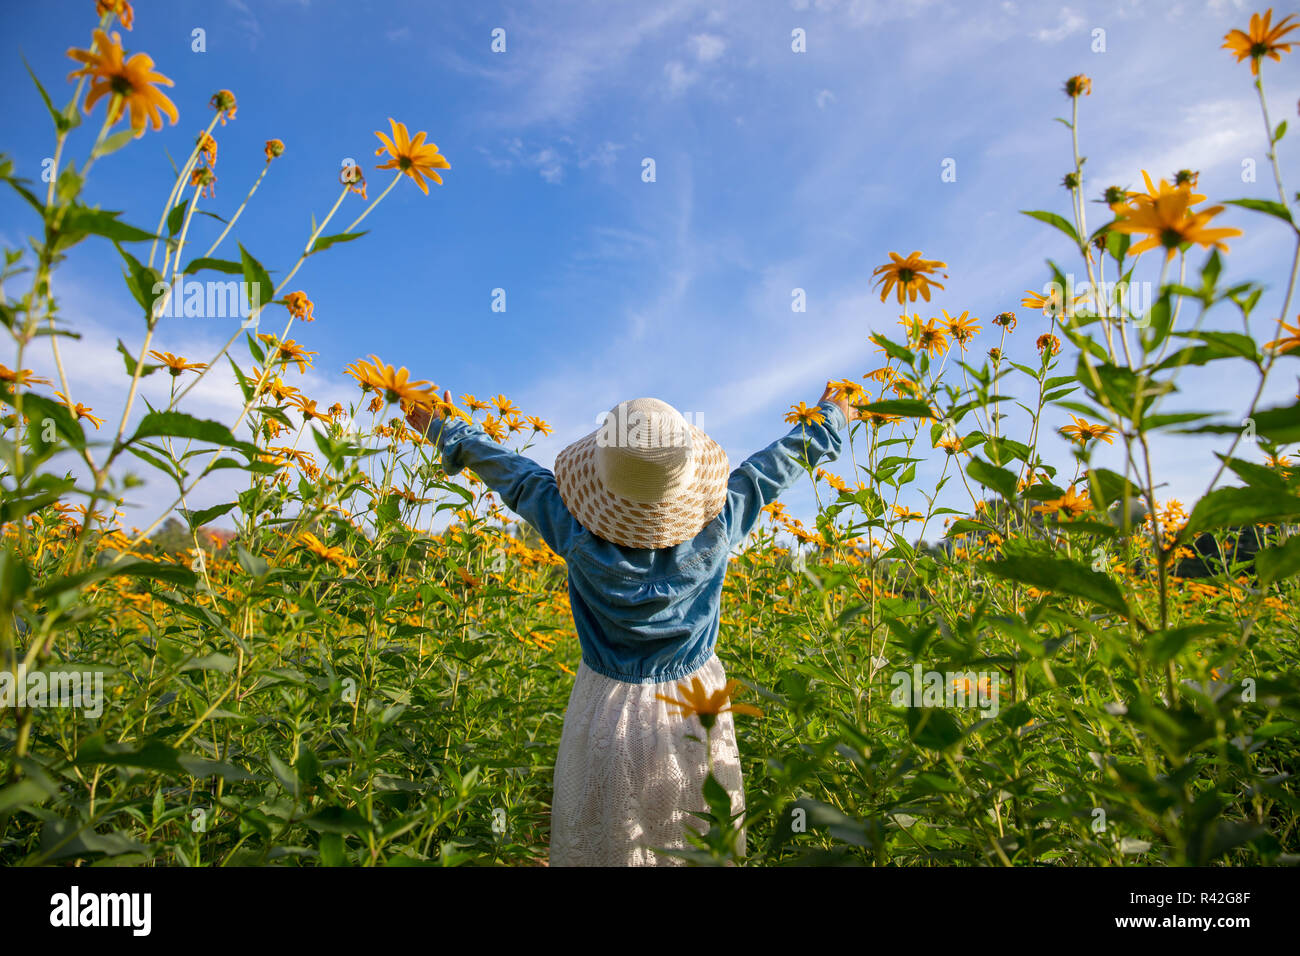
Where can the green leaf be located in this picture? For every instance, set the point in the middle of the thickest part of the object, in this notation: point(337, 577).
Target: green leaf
point(176, 217)
point(324, 242)
point(906, 407)
point(254, 565)
point(180, 425)
point(332, 819)
point(260, 290)
point(1280, 425)
point(40, 494)
point(61, 122)
point(1274, 564)
point(177, 574)
point(893, 349)
point(932, 727)
point(155, 755)
point(331, 849)
point(197, 519)
point(1052, 219)
point(1253, 474)
point(999, 479)
point(113, 143)
point(101, 222)
point(131, 363)
point(1164, 646)
point(1062, 576)
point(38, 409)
point(146, 285)
point(62, 838)
point(1265, 206)
point(216, 265)
point(29, 791)
point(1233, 506)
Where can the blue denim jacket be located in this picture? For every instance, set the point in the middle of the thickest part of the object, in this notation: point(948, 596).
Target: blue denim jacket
point(643, 615)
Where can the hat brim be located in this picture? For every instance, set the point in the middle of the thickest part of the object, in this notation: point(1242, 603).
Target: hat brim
point(637, 524)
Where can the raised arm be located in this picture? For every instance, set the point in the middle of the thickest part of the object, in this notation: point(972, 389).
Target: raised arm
point(525, 487)
point(762, 477)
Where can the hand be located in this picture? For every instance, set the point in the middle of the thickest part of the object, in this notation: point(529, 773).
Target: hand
point(420, 417)
point(850, 413)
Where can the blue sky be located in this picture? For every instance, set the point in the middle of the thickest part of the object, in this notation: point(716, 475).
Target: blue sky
point(775, 170)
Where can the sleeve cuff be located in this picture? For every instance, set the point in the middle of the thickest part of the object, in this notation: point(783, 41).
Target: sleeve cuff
point(835, 418)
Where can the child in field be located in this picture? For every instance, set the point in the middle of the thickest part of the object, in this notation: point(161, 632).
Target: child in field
point(645, 513)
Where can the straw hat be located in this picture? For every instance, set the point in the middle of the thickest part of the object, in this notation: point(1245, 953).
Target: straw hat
point(646, 478)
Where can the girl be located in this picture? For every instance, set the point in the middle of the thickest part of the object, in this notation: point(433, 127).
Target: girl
point(645, 515)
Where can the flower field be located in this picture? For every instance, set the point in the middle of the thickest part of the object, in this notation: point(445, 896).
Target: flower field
point(1071, 668)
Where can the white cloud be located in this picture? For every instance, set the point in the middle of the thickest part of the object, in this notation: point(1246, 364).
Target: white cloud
point(679, 77)
point(707, 46)
point(1070, 22)
point(604, 155)
point(398, 34)
point(824, 97)
point(549, 165)
point(1206, 136)
point(247, 21)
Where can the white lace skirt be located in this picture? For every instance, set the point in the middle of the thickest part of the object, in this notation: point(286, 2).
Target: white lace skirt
point(628, 772)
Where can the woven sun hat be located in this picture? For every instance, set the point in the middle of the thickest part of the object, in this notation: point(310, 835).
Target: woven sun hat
point(647, 478)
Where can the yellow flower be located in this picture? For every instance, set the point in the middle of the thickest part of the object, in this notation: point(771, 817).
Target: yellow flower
point(1262, 41)
point(177, 364)
point(395, 385)
point(474, 404)
point(503, 405)
point(279, 390)
point(289, 351)
point(962, 329)
point(207, 148)
point(911, 275)
point(24, 377)
point(1071, 503)
point(223, 101)
point(538, 424)
point(321, 550)
point(696, 701)
point(80, 410)
point(125, 15)
point(835, 481)
point(1084, 432)
point(1132, 197)
point(1049, 342)
point(131, 83)
point(411, 156)
point(494, 428)
point(1050, 304)
point(907, 514)
point(804, 415)
point(1168, 220)
point(299, 306)
point(930, 336)
point(354, 179)
point(1077, 86)
point(1287, 343)
point(273, 148)
point(952, 444)
point(204, 179)
point(850, 391)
